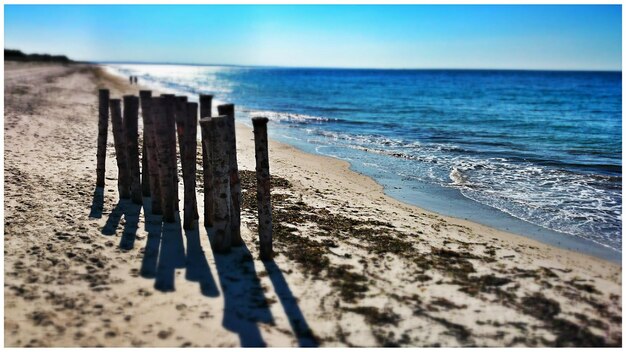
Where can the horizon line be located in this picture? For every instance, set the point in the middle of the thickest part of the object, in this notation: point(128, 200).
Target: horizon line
point(343, 67)
point(353, 68)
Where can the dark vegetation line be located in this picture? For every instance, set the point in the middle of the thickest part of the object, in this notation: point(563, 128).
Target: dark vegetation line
point(18, 55)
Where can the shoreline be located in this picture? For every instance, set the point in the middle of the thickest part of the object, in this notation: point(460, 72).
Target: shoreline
point(558, 239)
point(346, 167)
point(533, 231)
point(354, 267)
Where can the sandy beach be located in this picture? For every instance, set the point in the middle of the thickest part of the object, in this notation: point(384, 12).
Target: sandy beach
point(354, 267)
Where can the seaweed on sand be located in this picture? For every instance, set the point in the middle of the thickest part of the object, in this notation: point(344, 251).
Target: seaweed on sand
point(311, 250)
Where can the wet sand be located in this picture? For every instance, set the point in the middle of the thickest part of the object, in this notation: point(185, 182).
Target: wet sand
point(354, 267)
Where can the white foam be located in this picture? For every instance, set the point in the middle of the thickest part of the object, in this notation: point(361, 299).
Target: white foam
point(286, 116)
point(559, 200)
point(457, 177)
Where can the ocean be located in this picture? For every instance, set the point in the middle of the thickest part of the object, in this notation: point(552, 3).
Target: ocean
point(536, 153)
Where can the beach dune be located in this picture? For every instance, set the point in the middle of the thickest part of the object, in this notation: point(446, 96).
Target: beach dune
point(354, 267)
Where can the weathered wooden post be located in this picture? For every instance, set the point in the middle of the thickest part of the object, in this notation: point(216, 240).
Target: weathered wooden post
point(145, 160)
point(150, 151)
point(205, 111)
point(170, 102)
point(123, 173)
point(181, 116)
point(103, 126)
point(131, 117)
point(145, 175)
point(263, 186)
point(228, 110)
point(188, 163)
point(214, 130)
point(180, 112)
point(164, 129)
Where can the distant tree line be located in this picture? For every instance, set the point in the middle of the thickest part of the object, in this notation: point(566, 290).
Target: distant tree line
point(17, 55)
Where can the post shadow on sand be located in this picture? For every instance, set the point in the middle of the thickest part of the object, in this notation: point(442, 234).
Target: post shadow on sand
point(171, 256)
point(97, 204)
point(197, 267)
point(153, 227)
point(297, 320)
point(165, 252)
point(130, 212)
point(245, 304)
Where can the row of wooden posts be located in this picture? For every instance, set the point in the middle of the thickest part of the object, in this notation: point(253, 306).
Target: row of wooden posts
point(164, 118)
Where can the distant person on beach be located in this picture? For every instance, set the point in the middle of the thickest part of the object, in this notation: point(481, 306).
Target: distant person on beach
point(135, 79)
point(130, 78)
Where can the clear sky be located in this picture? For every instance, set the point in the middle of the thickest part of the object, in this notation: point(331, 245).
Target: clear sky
point(408, 36)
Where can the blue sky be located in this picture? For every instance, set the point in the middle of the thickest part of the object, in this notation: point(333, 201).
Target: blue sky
point(409, 36)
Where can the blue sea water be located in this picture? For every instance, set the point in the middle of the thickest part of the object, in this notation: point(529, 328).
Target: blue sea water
point(532, 152)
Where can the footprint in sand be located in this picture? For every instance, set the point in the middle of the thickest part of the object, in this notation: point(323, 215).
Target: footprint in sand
point(164, 334)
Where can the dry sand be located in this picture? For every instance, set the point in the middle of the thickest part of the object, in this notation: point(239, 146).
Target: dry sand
point(353, 266)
